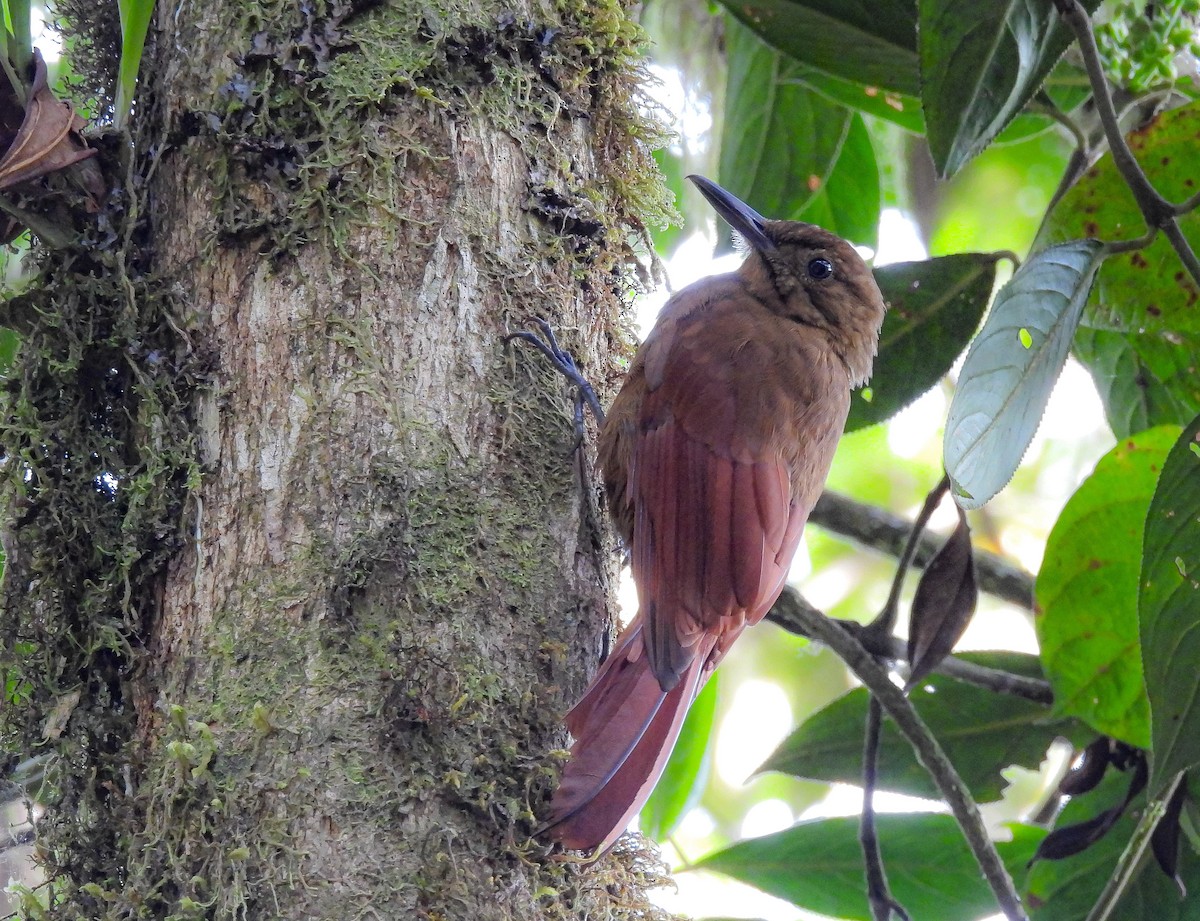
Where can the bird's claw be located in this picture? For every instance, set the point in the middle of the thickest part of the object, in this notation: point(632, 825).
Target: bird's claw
point(564, 363)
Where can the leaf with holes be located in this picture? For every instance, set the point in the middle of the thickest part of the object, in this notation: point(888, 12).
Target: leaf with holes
point(1169, 611)
point(1005, 383)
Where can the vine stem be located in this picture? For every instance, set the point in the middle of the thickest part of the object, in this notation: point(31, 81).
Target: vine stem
point(928, 750)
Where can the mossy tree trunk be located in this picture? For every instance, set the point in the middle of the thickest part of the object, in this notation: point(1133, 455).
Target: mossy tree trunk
point(304, 622)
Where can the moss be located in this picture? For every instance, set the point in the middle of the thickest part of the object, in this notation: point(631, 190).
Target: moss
point(307, 134)
point(316, 118)
point(97, 429)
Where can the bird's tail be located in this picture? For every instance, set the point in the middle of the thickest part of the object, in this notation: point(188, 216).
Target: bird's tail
point(624, 727)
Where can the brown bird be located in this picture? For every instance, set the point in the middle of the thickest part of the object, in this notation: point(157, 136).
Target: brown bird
point(713, 454)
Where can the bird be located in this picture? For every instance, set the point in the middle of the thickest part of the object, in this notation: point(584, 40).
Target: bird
point(712, 455)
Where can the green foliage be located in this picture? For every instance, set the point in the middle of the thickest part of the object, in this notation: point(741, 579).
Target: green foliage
point(934, 307)
point(1087, 591)
point(687, 770)
point(135, 22)
point(981, 731)
point(1066, 890)
point(1168, 606)
point(979, 70)
point(1141, 41)
point(818, 866)
point(873, 44)
point(790, 152)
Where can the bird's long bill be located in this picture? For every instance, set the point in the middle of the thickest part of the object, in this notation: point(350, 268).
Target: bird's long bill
point(739, 215)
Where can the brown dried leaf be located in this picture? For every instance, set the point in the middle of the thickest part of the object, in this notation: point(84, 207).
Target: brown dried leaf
point(943, 604)
point(48, 139)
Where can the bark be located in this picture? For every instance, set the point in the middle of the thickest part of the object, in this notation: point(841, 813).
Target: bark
point(377, 576)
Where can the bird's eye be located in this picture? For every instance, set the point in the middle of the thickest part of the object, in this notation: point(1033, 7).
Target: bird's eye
point(820, 269)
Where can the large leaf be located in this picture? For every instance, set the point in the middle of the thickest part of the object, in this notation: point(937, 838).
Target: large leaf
point(686, 772)
point(933, 308)
point(1066, 890)
point(1087, 591)
point(1169, 610)
point(818, 866)
point(1144, 379)
point(897, 108)
point(981, 731)
point(980, 68)
point(848, 203)
point(1012, 367)
point(1144, 292)
point(780, 140)
point(872, 43)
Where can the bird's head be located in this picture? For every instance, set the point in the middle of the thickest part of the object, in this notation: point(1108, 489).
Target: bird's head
point(821, 279)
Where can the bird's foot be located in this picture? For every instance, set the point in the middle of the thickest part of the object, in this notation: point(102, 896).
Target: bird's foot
point(564, 363)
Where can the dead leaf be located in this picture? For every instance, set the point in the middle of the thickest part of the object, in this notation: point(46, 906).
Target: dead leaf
point(943, 604)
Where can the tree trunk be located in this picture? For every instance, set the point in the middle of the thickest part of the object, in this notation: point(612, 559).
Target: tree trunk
point(310, 612)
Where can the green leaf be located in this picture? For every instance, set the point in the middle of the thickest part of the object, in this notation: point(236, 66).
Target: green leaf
point(871, 43)
point(980, 68)
point(18, 48)
point(135, 22)
point(1169, 610)
point(1003, 388)
point(933, 308)
point(780, 141)
point(818, 866)
point(981, 731)
point(1066, 890)
point(684, 778)
point(1145, 292)
point(10, 341)
point(897, 108)
point(848, 203)
point(1088, 587)
point(1144, 379)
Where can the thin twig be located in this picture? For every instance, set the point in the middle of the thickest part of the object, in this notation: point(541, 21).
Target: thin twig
point(879, 894)
point(930, 753)
point(1188, 204)
point(786, 613)
point(881, 530)
point(886, 621)
point(1156, 210)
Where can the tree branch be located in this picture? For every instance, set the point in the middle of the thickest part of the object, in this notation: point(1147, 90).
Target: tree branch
point(792, 612)
point(1156, 210)
point(908, 721)
point(881, 530)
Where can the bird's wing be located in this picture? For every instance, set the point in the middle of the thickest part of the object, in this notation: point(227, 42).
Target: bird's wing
point(715, 524)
